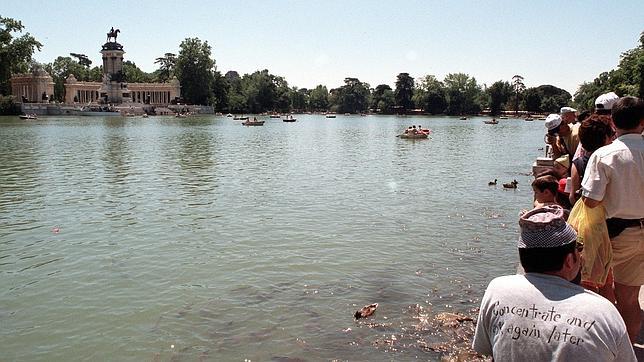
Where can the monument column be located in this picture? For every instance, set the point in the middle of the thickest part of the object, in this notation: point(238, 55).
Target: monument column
point(114, 88)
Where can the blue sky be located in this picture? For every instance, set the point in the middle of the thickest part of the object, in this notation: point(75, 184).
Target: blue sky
point(563, 43)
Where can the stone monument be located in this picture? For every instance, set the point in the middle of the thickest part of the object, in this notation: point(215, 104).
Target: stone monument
point(114, 87)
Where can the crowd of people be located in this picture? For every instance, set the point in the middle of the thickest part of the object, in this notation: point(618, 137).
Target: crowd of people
point(581, 247)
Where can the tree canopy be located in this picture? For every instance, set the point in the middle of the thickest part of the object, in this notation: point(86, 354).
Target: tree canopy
point(626, 79)
point(194, 69)
point(15, 52)
point(404, 92)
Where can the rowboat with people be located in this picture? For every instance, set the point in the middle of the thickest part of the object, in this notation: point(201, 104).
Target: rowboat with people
point(28, 116)
point(415, 133)
point(289, 118)
point(253, 122)
point(493, 121)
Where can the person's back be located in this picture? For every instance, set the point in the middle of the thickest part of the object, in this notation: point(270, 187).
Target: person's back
point(545, 315)
point(540, 317)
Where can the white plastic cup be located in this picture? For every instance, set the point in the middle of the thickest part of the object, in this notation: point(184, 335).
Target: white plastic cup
point(568, 188)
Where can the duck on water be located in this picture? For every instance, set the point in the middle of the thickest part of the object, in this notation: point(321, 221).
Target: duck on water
point(511, 185)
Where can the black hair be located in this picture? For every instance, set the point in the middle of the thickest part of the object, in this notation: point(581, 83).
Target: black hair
point(628, 112)
point(542, 260)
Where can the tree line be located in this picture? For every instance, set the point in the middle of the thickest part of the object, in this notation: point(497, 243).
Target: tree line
point(261, 91)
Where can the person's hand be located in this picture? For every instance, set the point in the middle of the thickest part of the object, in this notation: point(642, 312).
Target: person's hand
point(551, 139)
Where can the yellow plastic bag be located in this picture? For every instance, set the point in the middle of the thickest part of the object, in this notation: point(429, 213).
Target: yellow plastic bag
point(590, 224)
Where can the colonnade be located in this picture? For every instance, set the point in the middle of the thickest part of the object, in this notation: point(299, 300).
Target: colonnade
point(86, 96)
point(156, 97)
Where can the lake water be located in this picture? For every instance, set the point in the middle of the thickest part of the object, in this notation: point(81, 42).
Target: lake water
point(190, 239)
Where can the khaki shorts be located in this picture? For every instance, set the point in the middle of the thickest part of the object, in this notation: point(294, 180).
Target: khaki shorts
point(628, 256)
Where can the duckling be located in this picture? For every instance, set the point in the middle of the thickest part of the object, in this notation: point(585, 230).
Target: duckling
point(511, 185)
point(492, 183)
point(366, 311)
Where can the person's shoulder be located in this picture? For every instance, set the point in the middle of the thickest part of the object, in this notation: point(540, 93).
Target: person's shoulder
point(507, 280)
point(593, 301)
point(610, 149)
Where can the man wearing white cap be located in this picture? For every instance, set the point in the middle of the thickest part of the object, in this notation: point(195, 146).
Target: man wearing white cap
point(604, 103)
point(614, 178)
point(563, 138)
point(545, 315)
point(568, 114)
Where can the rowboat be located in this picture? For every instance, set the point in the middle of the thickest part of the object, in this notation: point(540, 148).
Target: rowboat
point(28, 116)
point(414, 136)
point(253, 123)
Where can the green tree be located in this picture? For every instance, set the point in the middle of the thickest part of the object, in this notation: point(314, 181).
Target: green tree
point(15, 53)
point(60, 69)
point(404, 92)
point(299, 98)
point(626, 79)
point(167, 64)
point(260, 91)
point(220, 90)
point(463, 94)
point(430, 95)
point(352, 97)
point(135, 75)
point(499, 94)
point(319, 99)
point(519, 87)
point(382, 99)
point(546, 98)
point(194, 69)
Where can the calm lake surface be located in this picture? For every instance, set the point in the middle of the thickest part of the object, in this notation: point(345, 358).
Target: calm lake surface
point(163, 238)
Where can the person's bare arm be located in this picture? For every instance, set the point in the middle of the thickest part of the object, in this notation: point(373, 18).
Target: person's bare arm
point(590, 202)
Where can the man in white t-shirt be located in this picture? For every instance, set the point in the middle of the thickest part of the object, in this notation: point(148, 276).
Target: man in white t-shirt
point(614, 177)
point(543, 315)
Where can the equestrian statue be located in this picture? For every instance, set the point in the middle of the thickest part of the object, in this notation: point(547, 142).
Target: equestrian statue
point(113, 34)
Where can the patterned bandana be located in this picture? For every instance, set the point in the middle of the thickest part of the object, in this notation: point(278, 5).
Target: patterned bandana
point(545, 227)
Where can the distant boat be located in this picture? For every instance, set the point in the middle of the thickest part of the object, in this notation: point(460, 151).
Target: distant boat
point(347, 114)
point(414, 136)
point(463, 118)
point(229, 115)
point(274, 116)
point(493, 121)
point(503, 117)
point(289, 118)
point(240, 118)
point(529, 119)
point(330, 115)
point(28, 116)
point(254, 122)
